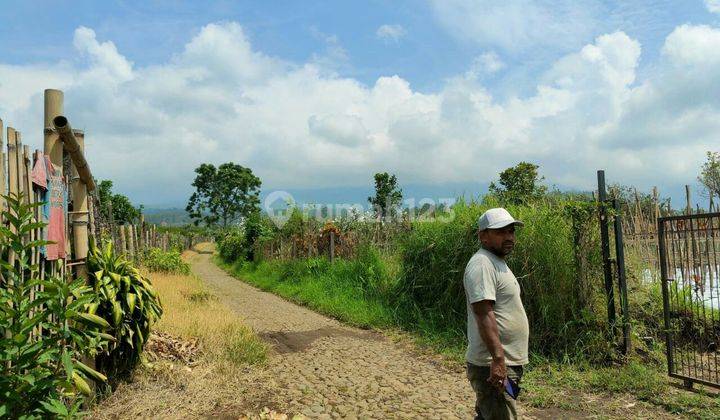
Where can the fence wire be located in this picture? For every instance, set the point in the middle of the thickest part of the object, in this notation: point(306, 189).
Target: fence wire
point(690, 270)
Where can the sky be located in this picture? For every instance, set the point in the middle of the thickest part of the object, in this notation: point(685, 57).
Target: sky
point(317, 96)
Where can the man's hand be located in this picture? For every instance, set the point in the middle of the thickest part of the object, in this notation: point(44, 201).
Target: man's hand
point(498, 372)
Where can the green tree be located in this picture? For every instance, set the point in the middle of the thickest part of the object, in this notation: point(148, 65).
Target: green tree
point(224, 194)
point(710, 174)
point(123, 210)
point(387, 195)
point(519, 184)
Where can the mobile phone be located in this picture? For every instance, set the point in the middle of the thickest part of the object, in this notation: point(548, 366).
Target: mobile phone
point(512, 388)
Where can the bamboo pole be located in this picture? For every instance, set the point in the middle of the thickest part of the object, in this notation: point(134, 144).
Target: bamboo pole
point(131, 240)
point(688, 206)
point(79, 218)
point(12, 161)
point(73, 143)
point(140, 233)
point(3, 178)
point(53, 107)
point(123, 242)
point(91, 217)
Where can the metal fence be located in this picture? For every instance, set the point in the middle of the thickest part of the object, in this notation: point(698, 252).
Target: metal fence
point(690, 268)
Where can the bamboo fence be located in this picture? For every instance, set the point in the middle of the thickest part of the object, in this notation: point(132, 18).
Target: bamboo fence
point(82, 220)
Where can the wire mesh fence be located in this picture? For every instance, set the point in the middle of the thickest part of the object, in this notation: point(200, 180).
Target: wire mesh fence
point(690, 270)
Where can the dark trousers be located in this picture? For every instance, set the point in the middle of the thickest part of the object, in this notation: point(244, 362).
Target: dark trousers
point(491, 403)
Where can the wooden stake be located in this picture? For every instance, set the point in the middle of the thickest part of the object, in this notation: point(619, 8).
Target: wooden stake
point(123, 242)
point(688, 206)
point(3, 179)
point(131, 240)
point(12, 161)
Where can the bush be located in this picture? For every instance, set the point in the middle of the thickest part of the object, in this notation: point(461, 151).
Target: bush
point(127, 301)
point(161, 261)
point(232, 245)
point(41, 376)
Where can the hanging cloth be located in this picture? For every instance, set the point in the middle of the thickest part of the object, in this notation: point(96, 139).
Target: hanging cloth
point(54, 210)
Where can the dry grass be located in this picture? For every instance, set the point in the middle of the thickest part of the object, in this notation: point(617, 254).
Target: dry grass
point(225, 381)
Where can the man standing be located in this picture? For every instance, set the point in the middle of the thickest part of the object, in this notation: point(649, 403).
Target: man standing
point(497, 328)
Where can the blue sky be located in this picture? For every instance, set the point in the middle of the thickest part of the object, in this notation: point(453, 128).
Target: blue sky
point(321, 94)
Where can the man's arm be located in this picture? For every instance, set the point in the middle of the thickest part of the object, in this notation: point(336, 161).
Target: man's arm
point(485, 316)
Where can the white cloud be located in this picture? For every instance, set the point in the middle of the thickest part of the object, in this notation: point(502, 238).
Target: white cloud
point(517, 26)
point(713, 6)
point(302, 125)
point(486, 63)
point(390, 33)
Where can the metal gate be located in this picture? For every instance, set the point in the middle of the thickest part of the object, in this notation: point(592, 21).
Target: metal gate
point(690, 268)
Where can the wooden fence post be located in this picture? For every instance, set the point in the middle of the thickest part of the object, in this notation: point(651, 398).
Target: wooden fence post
point(3, 179)
point(332, 246)
point(131, 241)
point(123, 241)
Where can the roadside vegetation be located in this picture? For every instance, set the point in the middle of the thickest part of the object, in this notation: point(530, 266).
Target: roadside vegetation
point(413, 283)
point(197, 363)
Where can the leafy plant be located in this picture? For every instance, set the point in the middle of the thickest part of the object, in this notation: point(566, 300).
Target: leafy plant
point(166, 262)
point(127, 301)
point(232, 245)
point(41, 374)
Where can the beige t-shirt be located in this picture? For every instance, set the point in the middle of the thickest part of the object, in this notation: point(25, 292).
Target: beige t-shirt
point(487, 277)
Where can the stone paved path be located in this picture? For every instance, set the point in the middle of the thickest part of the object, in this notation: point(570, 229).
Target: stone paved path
point(324, 369)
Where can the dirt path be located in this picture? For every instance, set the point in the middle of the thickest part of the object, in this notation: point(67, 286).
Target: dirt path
point(324, 369)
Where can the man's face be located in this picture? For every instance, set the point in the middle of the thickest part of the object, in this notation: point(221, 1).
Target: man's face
point(499, 241)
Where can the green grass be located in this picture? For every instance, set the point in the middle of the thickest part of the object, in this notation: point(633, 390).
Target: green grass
point(550, 384)
point(319, 286)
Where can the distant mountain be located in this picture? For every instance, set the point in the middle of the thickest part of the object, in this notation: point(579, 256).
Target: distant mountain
point(167, 217)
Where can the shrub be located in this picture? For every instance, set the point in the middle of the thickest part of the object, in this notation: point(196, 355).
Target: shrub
point(127, 301)
point(41, 376)
point(166, 262)
point(232, 245)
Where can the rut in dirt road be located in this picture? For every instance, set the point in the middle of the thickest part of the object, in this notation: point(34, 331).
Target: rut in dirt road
point(324, 369)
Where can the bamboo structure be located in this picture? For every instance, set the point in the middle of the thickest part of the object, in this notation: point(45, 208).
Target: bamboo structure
point(53, 107)
point(73, 142)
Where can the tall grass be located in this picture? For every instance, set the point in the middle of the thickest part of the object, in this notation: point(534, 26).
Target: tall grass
point(419, 287)
point(564, 325)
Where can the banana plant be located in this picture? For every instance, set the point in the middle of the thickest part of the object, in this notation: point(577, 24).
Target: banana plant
point(127, 301)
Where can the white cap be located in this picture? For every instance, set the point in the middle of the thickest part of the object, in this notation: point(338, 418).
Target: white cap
point(496, 218)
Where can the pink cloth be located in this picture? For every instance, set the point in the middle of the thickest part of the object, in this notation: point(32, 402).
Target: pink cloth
point(56, 223)
point(39, 174)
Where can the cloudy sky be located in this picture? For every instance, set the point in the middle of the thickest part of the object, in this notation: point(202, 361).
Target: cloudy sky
point(319, 95)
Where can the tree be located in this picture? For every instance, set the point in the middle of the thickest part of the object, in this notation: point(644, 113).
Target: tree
point(710, 174)
point(123, 210)
point(519, 184)
point(223, 194)
point(387, 195)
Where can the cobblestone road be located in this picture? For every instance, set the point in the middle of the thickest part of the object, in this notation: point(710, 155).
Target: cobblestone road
point(324, 369)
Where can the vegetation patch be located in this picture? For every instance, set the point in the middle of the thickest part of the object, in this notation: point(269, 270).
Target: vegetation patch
point(217, 375)
point(160, 261)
